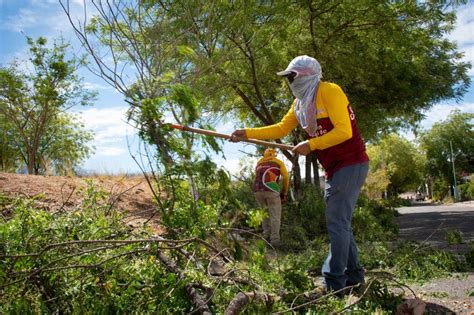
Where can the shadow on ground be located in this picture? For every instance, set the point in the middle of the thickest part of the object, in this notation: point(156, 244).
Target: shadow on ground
point(432, 308)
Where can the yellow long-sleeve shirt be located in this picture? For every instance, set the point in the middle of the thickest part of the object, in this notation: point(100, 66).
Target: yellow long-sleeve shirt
point(331, 102)
point(337, 142)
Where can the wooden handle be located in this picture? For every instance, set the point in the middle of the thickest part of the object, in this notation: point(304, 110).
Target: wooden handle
point(226, 136)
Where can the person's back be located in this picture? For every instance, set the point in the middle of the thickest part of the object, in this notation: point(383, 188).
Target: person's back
point(271, 187)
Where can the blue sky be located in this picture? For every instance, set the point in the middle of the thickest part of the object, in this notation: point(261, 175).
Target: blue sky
point(106, 117)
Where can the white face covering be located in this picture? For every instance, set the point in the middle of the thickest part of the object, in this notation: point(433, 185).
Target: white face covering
point(304, 88)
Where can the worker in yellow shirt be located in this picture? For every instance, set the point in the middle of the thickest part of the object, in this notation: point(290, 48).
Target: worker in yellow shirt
point(323, 111)
point(271, 189)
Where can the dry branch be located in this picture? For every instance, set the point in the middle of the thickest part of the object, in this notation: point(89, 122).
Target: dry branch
point(198, 300)
point(243, 298)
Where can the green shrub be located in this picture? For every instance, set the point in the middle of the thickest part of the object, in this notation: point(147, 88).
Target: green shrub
point(395, 202)
point(440, 189)
point(73, 277)
point(303, 220)
point(467, 190)
point(67, 276)
point(256, 217)
point(373, 220)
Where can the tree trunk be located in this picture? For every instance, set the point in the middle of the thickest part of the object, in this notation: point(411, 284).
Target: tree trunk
point(314, 161)
point(31, 163)
point(296, 174)
point(307, 169)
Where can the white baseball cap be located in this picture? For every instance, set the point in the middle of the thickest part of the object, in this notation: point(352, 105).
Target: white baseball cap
point(302, 65)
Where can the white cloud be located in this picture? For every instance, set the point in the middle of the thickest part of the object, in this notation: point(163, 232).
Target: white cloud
point(111, 131)
point(96, 86)
point(463, 33)
point(469, 57)
point(38, 15)
point(225, 127)
point(46, 18)
point(108, 124)
point(231, 165)
point(96, 118)
point(112, 151)
point(440, 112)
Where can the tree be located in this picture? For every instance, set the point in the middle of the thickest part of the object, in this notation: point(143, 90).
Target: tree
point(63, 146)
point(376, 183)
point(140, 43)
point(8, 161)
point(36, 104)
point(400, 160)
point(456, 132)
point(391, 58)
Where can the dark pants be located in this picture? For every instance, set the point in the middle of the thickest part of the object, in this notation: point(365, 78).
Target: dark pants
point(342, 265)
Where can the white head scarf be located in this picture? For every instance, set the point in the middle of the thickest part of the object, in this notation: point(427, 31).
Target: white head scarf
point(304, 88)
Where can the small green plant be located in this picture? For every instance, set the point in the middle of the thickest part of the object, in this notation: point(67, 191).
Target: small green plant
point(453, 237)
point(256, 217)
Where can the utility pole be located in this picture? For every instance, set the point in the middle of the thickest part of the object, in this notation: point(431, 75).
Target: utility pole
point(454, 172)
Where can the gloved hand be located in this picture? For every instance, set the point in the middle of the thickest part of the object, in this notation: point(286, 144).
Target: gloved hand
point(239, 133)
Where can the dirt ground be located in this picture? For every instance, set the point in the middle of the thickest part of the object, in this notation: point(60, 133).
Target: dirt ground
point(448, 295)
point(130, 194)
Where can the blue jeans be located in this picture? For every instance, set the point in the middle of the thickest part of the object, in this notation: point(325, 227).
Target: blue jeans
point(342, 266)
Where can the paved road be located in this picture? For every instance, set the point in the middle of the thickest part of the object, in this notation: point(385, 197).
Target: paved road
point(431, 222)
point(425, 221)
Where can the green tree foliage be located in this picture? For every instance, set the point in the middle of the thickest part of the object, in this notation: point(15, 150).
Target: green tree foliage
point(377, 182)
point(400, 160)
point(8, 161)
point(40, 134)
point(456, 132)
point(141, 40)
point(63, 146)
point(391, 58)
